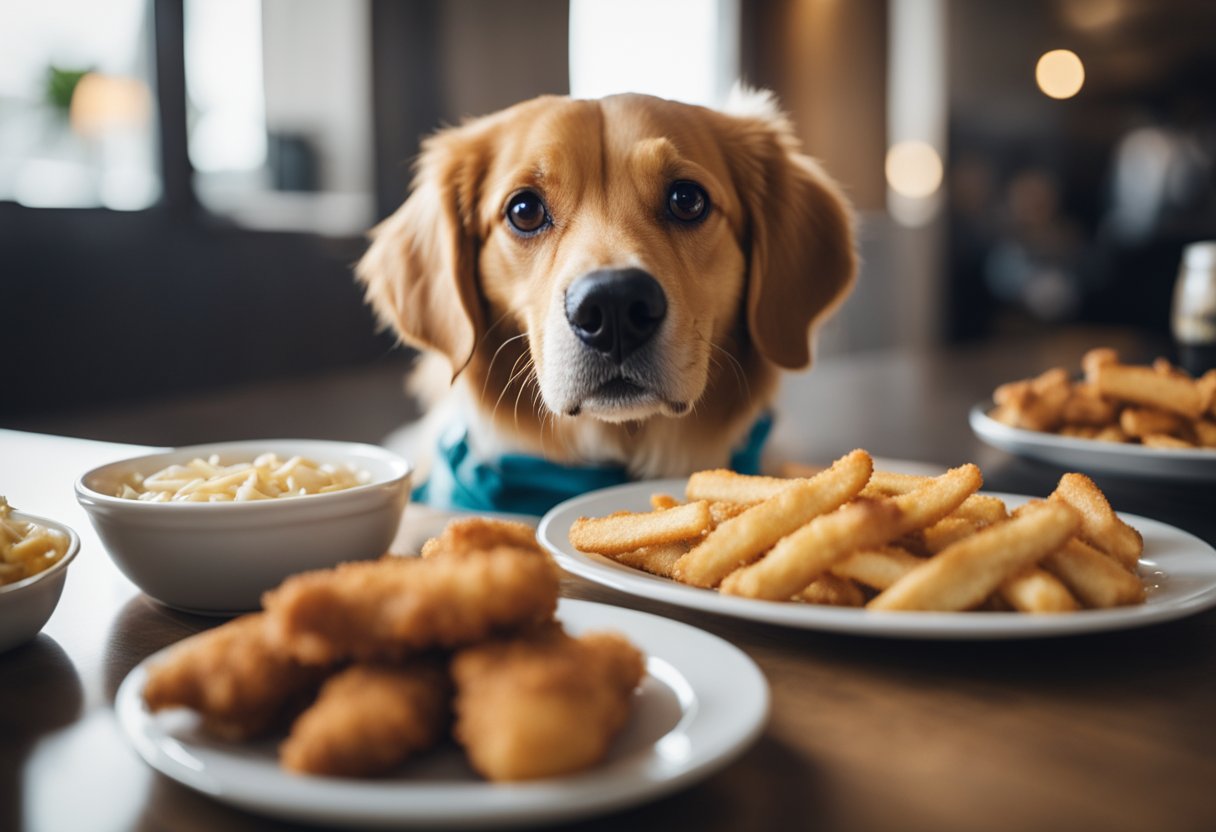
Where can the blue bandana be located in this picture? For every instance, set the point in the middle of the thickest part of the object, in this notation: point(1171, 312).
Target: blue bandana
point(522, 484)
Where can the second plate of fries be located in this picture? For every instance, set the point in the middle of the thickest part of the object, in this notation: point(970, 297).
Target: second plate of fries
point(1145, 421)
point(1123, 459)
point(869, 552)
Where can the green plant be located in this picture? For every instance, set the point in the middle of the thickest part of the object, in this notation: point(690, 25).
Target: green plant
point(61, 85)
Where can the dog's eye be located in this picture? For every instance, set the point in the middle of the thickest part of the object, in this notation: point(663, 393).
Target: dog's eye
point(526, 212)
point(687, 201)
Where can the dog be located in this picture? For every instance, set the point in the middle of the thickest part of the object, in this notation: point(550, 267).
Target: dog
point(609, 287)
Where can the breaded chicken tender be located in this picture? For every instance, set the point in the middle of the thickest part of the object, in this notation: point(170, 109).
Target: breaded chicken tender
point(393, 607)
point(543, 704)
point(368, 719)
point(235, 676)
point(474, 534)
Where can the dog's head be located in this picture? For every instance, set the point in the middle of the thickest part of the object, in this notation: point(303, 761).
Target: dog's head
point(633, 248)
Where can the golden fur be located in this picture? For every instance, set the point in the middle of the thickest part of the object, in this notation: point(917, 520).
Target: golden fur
point(744, 287)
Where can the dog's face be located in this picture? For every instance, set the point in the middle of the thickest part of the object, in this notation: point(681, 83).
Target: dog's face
point(611, 234)
point(617, 254)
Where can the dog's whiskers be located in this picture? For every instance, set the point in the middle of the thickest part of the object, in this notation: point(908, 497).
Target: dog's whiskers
point(740, 376)
point(490, 370)
point(531, 371)
point(511, 377)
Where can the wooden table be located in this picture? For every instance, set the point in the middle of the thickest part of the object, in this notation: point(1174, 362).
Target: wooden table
point(1110, 732)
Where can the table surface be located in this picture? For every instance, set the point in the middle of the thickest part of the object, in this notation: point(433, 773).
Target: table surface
point(1114, 731)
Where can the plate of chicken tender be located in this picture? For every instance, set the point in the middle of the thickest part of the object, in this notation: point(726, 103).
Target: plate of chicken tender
point(1136, 420)
point(450, 689)
point(853, 549)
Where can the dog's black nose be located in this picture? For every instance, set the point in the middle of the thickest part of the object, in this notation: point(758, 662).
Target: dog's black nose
point(615, 311)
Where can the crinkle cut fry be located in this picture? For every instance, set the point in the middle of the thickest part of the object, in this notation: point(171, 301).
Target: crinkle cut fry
point(393, 607)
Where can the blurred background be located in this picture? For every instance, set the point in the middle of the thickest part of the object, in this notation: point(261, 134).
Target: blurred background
point(185, 184)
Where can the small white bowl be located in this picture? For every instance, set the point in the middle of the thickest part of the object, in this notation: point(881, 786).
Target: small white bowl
point(218, 558)
point(26, 605)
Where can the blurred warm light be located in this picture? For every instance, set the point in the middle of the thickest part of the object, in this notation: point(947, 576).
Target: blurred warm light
point(102, 103)
point(914, 169)
point(1060, 73)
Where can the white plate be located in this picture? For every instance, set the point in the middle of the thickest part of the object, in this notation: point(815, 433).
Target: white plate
point(1180, 567)
point(703, 701)
point(1090, 455)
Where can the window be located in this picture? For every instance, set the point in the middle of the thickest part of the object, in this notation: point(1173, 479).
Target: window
point(279, 112)
point(77, 111)
point(686, 50)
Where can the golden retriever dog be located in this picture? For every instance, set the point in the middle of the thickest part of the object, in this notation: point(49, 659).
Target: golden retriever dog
point(612, 283)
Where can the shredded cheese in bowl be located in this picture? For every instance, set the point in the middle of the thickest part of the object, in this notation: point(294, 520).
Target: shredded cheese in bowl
point(266, 477)
point(26, 548)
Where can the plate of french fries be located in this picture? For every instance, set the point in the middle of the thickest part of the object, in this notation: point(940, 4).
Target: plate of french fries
point(871, 552)
point(1130, 419)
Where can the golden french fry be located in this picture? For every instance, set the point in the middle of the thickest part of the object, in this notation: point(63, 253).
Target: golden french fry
point(1037, 591)
point(1085, 406)
point(1144, 421)
point(936, 498)
point(946, 532)
point(1095, 578)
point(1164, 440)
point(742, 539)
point(1006, 415)
point(1205, 432)
point(878, 568)
point(1111, 433)
point(978, 508)
point(626, 531)
point(721, 511)
point(832, 591)
point(725, 486)
point(657, 560)
point(1078, 431)
point(1164, 367)
point(1097, 358)
point(658, 502)
point(1011, 393)
point(1099, 523)
point(889, 483)
point(982, 510)
point(963, 575)
point(815, 548)
point(1144, 385)
point(1206, 385)
point(1034, 404)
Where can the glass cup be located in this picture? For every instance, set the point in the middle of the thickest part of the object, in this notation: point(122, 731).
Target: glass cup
point(1193, 317)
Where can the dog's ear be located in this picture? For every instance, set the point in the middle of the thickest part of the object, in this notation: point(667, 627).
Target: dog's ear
point(420, 272)
point(798, 235)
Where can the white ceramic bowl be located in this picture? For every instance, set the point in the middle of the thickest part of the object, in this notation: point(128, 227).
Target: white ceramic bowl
point(26, 606)
point(218, 558)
